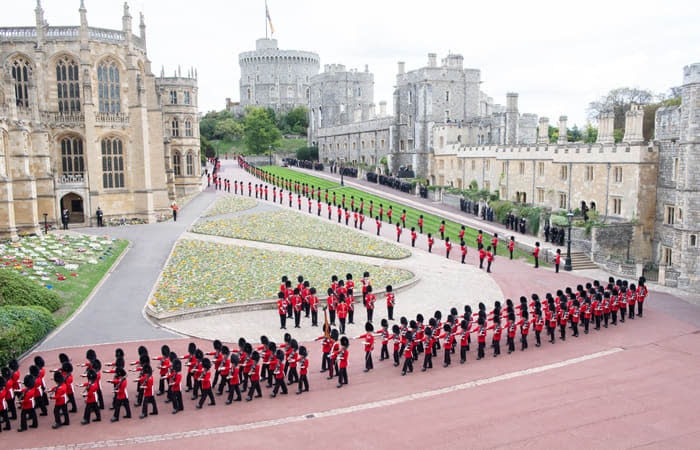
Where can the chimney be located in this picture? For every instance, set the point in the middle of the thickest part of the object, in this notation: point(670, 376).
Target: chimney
point(512, 102)
point(606, 124)
point(562, 130)
point(382, 108)
point(543, 134)
point(432, 60)
point(366, 68)
point(634, 119)
point(402, 67)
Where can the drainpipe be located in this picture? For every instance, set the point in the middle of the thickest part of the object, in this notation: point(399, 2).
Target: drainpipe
point(607, 189)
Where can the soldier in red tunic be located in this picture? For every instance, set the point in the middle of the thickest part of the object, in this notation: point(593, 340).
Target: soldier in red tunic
point(303, 362)
point(511, 246)
point(369, 345)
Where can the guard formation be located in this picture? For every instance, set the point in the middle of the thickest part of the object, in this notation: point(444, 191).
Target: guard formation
point(241, 370)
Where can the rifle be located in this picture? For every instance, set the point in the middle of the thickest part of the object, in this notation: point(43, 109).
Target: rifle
point(326, 325)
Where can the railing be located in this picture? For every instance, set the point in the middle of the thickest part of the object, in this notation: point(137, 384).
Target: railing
point(103, 34)
point(17, 33)
point(63, 118)
point(62, 33)
point(112, 119)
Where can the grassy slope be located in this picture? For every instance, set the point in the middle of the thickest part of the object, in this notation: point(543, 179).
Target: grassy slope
point(431, 223)
point(74, 290)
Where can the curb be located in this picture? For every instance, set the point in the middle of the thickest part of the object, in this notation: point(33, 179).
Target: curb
point(252, 305)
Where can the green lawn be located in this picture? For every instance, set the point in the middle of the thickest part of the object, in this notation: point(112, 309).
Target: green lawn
point(431, 223)
point(237, 146)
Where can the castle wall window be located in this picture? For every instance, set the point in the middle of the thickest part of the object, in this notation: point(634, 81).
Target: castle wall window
point(675, 169)
point(693, 240)
point(72, 162)
point(562, 201)
point(67, 86)
point(177, 163)
point(190, 163)
point(521, 168)
point(21, 72)
point(381, 143)
point(670, 216)
point(175, 128)
point(473, 164)
point(540, 195)
point(250, 96)
point(186, 98)
point(112, 163)
point(667, 255)
point(617, 206)
point(540, 169)
point(173, 97)
point(188, 128)
point(589, 173)
point(447, 96)
point(618, 174)
point(108, 87)
point(290, 92)
point(564, 173)
point(487, 164)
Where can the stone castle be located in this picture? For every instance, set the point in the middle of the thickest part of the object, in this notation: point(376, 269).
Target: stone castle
point(85, 123)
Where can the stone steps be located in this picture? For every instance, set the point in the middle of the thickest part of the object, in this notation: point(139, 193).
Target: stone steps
point(579, 261)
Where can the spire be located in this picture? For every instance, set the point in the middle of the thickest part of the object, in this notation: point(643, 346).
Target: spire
point(83, 14)
point(162, 71)
point(40, 22)
point(142, 26)
point(179, 72)
point(126, 19)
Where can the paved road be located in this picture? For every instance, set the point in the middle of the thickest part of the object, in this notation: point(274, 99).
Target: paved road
point(115, 312)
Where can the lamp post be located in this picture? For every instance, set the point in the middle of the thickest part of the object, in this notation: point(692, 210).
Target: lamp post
point(567, 263)
point(46, 223)
point(269, 148)
point(342, 183)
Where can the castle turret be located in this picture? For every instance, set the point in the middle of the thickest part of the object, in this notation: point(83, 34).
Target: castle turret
point(512, 118)
point(606, 125)
point(543, 133)
point(563, 130)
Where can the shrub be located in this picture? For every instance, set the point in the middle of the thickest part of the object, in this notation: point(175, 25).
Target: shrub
point(21, 291)
point(501, 208)
point(307, 153)
point(20, 328)
point(559, 220)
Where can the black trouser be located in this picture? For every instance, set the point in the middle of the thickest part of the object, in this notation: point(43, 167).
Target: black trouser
point(586, 324)
point(463, 256)
point(481, 263)
point(41, 404)
point(574, 325)
point(325, 362)
point(631, 310)
point(390, 312)
point(496, 347)
point(488, 266)
point(177, 401)
point(623, 313)
point(511, 254)
point(597, 322)
point(407, 365)
point(551, 334)
point(90, 408)
point(139, 396)
point(290, 311)
point(447, 352)
point(384, 354)
point(332, 314)
point(562, 330)
point(342, 325)
point(396, 357)
point(537, 262)
point(314, 318)
point(283, 324)
point(556, 268)
point(482, 346)
point(254, 387)
point(351, 315)
point(216, 379)
point(71, 400)
point(234, 389)
point(61, 410)
point(297, 318)
point(12, 408)
point(292, 376)
point(640, 305)
point(378, 228)
point(28, 414)
point(223, 383)
point(144, 407)
point(613, 316)
point(511, 344)
point(4, 417)
point(368, 361)
point(118, 405)
point(537, 337)
point(307, 308)
point(342, 376)
point(370, 313)
point(303, 383)
point(99, 221)
point(606, 317)
point(280, 384)
point(462, 353)
point(523, 342)
point(269, 374)
point(197, 385)
point(428, 361)
point(174, 218)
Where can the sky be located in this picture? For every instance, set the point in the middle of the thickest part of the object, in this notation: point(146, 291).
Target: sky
point(558, 56)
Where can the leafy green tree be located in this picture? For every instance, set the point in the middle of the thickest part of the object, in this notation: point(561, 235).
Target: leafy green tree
point(619, 101)
point(619, 134)
point(308, 153)
point(260, 131)
point(553, 134)
point(207, 149)
point(296, 121)
point(590, 134)
point(574, 134)
point(206, 127)
point(228, 129)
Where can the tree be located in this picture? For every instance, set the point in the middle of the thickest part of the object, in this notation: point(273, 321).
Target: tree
point(619, 101)
point(206, 149)
point(553, 134)
point(296, 121)
point(260, 132)
point(574, 134)
point(307, 153)
point(228, 129)
point(590, 133)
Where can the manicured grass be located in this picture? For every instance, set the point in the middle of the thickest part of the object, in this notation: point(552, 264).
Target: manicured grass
point(304, 178)
point(301, 231)
point(202, 273)
point(230, 204)
point(431, 223)
point(237, 146)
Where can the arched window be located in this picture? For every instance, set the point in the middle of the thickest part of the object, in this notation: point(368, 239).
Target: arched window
point(68, 86)
point(175, 127)
point(21, 73)
point(108, 87)
point(188, 128)
point(72, 162)
point(176, 163)
point(290, 92)
point(190, 163)
point(112, 163)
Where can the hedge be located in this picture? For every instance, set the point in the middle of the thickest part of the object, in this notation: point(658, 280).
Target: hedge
point(20, 328)
point(16, 289)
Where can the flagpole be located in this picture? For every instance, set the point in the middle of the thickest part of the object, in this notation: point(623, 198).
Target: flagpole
point(266, 20)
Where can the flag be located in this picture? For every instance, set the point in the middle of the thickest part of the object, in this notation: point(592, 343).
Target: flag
point(267, 14)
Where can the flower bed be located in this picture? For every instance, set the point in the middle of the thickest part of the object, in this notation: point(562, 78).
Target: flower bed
point(202, 273)
point(230, 204)
point(290, 228)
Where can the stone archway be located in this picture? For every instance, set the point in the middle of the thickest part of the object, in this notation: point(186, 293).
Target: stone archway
point(76, 207)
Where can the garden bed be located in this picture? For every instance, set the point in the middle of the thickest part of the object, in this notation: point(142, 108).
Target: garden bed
point(230, 204)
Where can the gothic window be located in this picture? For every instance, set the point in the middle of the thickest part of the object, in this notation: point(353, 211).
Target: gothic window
point(190, 163)
point(188, 128)
point(67, 86)
point(176, 163)
point(447, 96)
point(21, 72)
point(186, 98)
point(249, 95)
point(173, 97)
point(72, 162)
point(112, 163)
point(290, 92)
point(307, 93)
point(175, 128)
point(108, 87)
